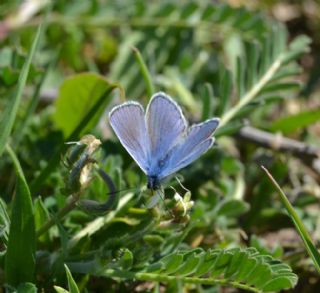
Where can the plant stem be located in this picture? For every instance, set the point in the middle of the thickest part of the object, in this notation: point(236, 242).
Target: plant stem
point(152, 22)
point(311, 249)
point(166, 278)
point(145, 72)
point(249, 96)
point(95, 225)
point(60, 215)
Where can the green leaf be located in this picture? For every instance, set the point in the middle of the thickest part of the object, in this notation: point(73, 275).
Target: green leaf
point(76, 97)
point(208, 262)
point(275, 87)
point(229, 129)
point(154, 268)
point(126, 259)
point(240, 268)
point(264, 69)
point(10, 112)
point(207, 101)
point(41, 215)
point(172, 262)
point(240, 77)
point(292, 123)
point(277, 284)
point(73, 288)
point(235, 263)
point(232, 208)
point(27, 288)
point(225, 91)
point(60, 289)
point(190, 265)
point(299, 45)
point(246, 268)
point(253, 58)
point(4, 222)
point(20, 257)
point(222, 262)
point(261, 272)
point(9, 76)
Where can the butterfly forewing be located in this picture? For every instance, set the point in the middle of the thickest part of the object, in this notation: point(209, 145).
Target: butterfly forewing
point(166, 126)
point(128, 122)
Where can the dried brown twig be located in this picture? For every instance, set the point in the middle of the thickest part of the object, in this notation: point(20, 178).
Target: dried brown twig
point(307, 153)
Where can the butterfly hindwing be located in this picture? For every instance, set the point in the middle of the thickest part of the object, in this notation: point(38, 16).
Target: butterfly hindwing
point(128, 122)
point(195, 144)
point(199, 150)
point(196, 135)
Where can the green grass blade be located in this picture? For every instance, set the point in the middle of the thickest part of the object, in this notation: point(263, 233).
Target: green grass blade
point(21, 127)
point(73, 288)
point(145, 72)
point(11, 108)
point(207, 101)
point(60, 289)
point(27, 288)
point(20, 257)
point(311, 249)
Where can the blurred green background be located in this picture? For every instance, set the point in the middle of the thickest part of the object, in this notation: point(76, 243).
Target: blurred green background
point(254, 64)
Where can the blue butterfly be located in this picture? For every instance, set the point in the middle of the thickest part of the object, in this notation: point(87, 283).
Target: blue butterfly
point(160, 141)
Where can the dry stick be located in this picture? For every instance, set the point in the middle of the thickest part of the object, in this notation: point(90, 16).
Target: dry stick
point(303, 151)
